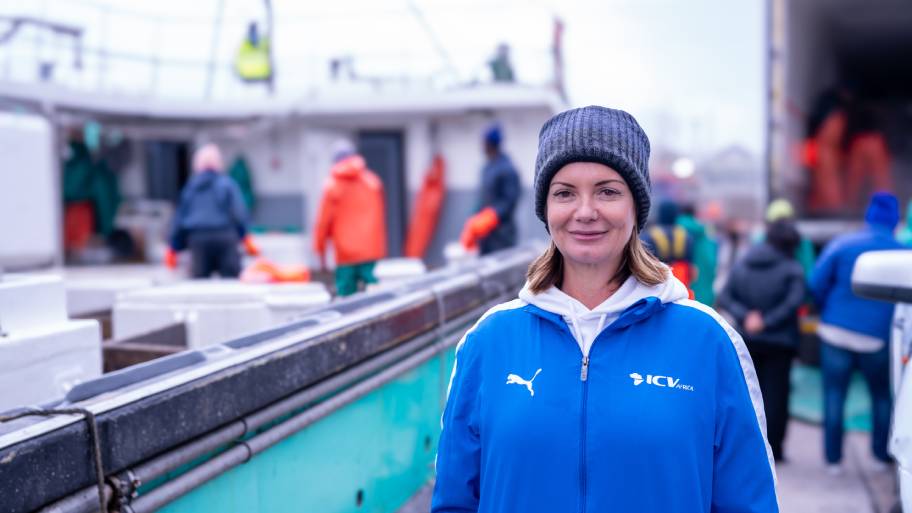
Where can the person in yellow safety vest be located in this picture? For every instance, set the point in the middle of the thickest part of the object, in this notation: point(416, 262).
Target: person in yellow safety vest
point(671, 244)
point(253, 62)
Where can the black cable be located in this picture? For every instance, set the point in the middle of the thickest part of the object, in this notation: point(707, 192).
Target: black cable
point(93, 434)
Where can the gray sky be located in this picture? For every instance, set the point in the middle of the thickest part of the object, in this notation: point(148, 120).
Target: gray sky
point(691, 71)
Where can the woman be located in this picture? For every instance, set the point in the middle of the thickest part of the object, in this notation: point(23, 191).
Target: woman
point(601, 388)
point(211, 219)
point(763, 294)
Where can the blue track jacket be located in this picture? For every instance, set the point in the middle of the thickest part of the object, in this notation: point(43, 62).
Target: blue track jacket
point(831, 283)
point(647, 403)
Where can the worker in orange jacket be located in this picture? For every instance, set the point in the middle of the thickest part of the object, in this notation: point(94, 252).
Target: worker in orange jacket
point(352, 216)
point(492, 228)
point(868, 161)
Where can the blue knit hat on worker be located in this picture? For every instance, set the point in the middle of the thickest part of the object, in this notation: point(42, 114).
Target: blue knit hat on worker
point(493, 135)
point(883, 210)
point(594, 134)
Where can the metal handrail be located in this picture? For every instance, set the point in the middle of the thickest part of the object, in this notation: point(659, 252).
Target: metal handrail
point(365, 335)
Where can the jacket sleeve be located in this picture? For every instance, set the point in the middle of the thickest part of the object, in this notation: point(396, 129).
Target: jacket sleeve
point(788, 307)
point(459, 450)
point(728, 300)
point(324, 221)
point(237, 208)
point(381, 235)
point(806, 256)
point(743, 475)
point(507, 193)
point(824, 274)
point(178, 237)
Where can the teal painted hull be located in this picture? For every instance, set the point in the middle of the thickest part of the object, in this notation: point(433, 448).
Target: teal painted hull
point(369, 456)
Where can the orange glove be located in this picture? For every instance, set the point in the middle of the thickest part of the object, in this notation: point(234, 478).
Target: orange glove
point(171, 259)
point(251, 247)
point(478, 227)
point(264, 271)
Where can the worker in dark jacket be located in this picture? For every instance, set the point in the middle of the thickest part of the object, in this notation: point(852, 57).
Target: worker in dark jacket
point(763, 293)
point(211, 219)
point(492, 227)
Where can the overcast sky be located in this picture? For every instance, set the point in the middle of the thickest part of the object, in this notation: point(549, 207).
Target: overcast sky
point(692, 71)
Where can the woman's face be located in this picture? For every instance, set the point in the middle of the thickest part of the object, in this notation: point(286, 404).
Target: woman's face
point(590, 213)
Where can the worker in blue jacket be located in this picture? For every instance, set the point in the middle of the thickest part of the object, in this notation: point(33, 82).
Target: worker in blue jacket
point(211, 219)
point(855, 330)
point(602, 387)
point(492, 227)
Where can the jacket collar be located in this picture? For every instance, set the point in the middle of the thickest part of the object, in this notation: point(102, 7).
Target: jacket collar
point(631, 303)
point(639, 311)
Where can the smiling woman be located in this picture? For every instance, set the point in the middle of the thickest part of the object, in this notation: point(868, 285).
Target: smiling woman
point(591, 217)
point(540, 420)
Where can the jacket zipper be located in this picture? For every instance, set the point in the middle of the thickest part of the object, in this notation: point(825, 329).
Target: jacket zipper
point(584, 376)
point(584, 380)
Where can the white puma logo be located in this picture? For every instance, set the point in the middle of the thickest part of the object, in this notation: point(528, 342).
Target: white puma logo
point(513, 379)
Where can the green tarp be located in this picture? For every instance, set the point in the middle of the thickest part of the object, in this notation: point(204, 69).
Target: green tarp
point(85, 179)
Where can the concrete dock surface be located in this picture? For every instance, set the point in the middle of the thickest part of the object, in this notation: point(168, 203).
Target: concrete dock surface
point(805, 486)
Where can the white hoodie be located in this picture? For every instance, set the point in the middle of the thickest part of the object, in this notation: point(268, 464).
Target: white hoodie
point(586, 324)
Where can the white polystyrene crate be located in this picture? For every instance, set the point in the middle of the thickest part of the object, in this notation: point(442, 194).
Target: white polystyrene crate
point(396, 269)
point(213, 311)
point(455, 253)
point(131, 319)
point(43, 365)
point(92, 295)
point(215, 324)
point(289, 302)
point(29, 202)
point(31, 301)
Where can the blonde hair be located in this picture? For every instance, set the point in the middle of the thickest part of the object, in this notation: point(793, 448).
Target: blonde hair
point(548, 269)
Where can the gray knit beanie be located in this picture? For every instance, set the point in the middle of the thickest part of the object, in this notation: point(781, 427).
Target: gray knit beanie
point(594, 134)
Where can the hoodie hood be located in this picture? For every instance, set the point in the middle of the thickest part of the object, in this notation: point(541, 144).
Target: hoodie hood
point(763, 255)
point(632, 302)
point(349, 167)
point(693, 226)
point(202, 180)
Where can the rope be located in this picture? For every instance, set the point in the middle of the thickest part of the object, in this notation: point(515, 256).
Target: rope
point(93, 434)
